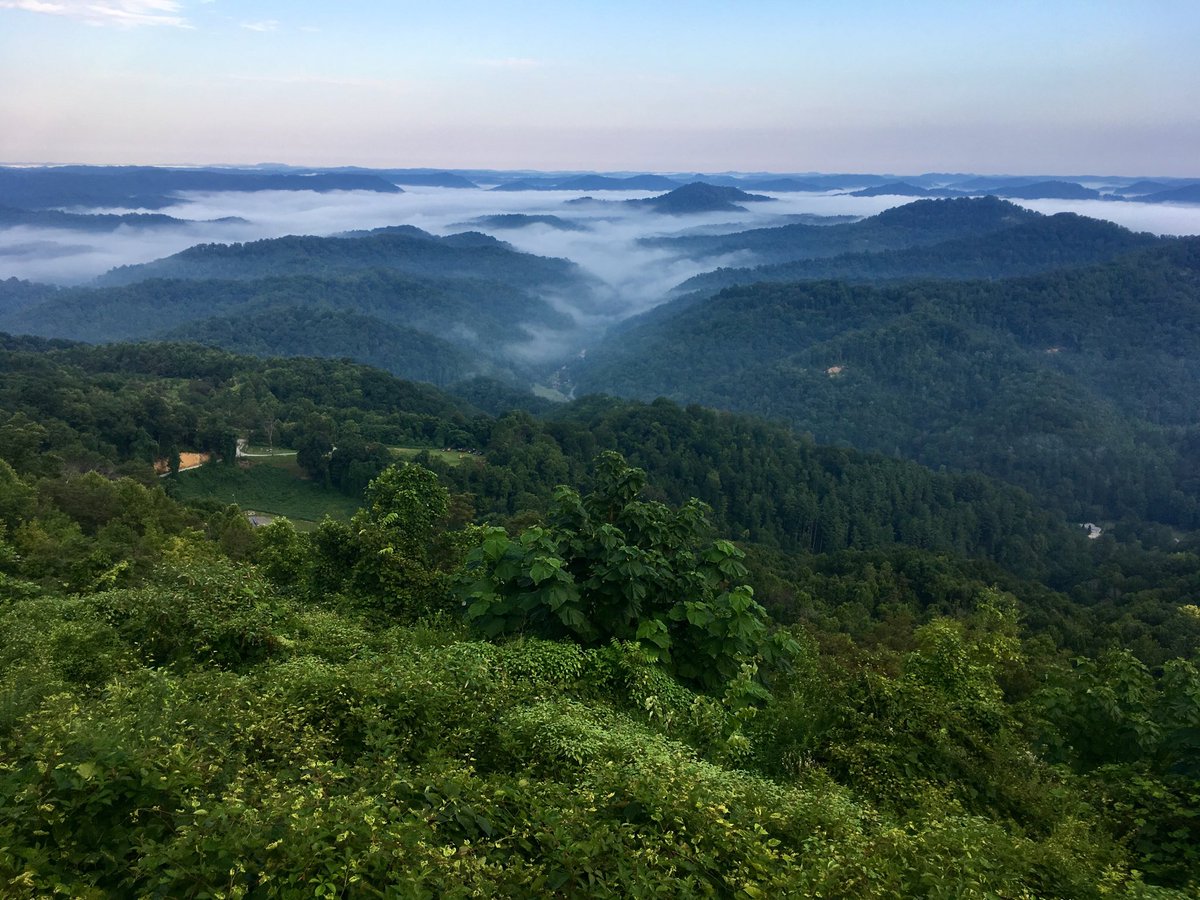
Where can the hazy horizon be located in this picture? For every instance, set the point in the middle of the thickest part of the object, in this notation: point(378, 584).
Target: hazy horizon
point(871, 87)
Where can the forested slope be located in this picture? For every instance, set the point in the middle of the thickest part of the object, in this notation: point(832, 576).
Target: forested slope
point(1039, 245)
point(1079, 385)
point(208, 709)
point(911, 225)
point(411, 251)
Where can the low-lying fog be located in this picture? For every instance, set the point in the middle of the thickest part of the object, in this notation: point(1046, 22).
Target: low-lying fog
point(636, 277)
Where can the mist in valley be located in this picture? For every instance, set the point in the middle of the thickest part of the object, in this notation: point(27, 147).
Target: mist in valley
point(627, 277)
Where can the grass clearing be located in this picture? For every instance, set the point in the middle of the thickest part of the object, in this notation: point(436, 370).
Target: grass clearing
point(449, 457)
point(263, 450)
point(270, 485)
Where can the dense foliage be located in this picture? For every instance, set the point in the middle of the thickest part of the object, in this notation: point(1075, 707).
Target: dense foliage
point(912, 225)
point(411, 251)
point(291, 716)
point(1038, 245)
point(1029, 380)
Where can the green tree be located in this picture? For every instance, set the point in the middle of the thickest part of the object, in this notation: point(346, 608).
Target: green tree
point(403, 560)
point(610, 566)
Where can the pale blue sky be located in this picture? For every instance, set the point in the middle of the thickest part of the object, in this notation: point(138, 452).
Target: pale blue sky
point(1046, 87)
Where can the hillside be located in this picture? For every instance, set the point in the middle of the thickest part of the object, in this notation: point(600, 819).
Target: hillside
point(483, 317)
point(1055, 190)
point(605, 696)
point(1067, 384)
point(914, 224)
point(1035, 245)
point(904, 189)
point(523, 220)
point(609, 697)
point(698, 197)
point(409, 251)
point(322, 331)
point(11, 217)
point(781, 185)
point(1187, 194)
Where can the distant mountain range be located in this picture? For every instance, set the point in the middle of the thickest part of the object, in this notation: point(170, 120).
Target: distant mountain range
point(144, 187)
point(1186, 194)
point(904, 189)
point(11, 217)
point(1048, 190)
point(591, 183)
point(138, 187)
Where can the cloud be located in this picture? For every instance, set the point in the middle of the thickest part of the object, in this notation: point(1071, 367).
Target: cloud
point(121, 13)
point(265, 25)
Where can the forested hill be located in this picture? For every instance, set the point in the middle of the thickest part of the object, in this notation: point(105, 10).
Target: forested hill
point(764, 483)
point(698, 197)
point(910, 225)
point(274, 315)
point(340, 333)
point(421, 306)
point(1079, 385)
point(467, 255)
point(54, 218)
point(482, 684)
point(1038, 245)
point(16, 294)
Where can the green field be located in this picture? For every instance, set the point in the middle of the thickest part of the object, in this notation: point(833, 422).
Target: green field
point(274, 486)
point(270, 482)
point(450, 457)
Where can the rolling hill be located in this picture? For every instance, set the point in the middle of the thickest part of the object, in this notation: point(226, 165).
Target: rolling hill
point(1036, 245)
point(1066, 383)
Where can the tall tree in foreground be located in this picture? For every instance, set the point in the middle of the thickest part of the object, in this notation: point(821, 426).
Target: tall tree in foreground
point(610, 566)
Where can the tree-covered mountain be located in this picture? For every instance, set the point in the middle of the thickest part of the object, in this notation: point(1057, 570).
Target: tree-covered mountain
point(904, 189)
point(914, 224)
point(11, 217)
point(1187, 194)
point(17, 294)
point(780, 185)
point(698, 197)
point(484, 317)
point(424, 179)
point(129, 403)
point(609, 183)
point(592, 182)
point(521, 220)
point(1144, 186)
point(407, 250)
point(1036, 245)
point(1048, 190)
point(326, 331)
point(1077, 385)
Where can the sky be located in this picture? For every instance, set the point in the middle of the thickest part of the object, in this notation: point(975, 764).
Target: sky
point(1047, 87)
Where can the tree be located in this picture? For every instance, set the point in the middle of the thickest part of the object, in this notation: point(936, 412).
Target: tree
point(403, 559)
point(609, 566)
